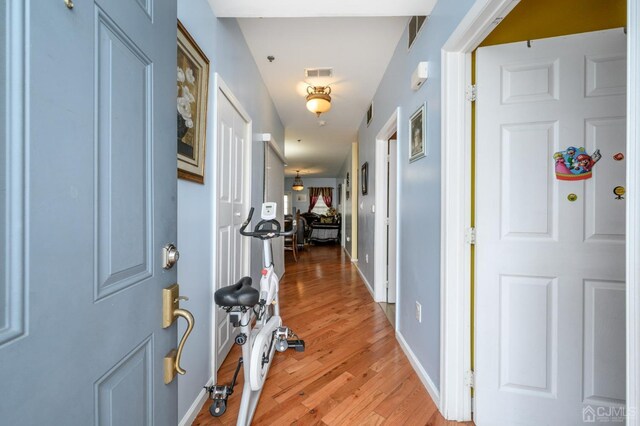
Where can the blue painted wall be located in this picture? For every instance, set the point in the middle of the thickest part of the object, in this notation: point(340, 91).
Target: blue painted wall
point(419, 184)
point(225, 46)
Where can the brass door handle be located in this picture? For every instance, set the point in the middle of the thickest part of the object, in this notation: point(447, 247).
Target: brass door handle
point(170, 312)
point(190, 323)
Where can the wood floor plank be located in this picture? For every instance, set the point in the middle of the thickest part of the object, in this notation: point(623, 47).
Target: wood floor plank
point(353, 371)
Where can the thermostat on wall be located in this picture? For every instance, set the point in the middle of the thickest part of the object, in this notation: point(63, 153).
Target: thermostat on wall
point(420, 75)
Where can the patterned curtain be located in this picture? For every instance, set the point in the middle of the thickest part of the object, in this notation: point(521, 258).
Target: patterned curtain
point(327, 195)
point(314, 193)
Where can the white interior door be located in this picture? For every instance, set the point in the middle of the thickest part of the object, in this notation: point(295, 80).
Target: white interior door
point(231, 204)
point(550, 319)
point(392, 171)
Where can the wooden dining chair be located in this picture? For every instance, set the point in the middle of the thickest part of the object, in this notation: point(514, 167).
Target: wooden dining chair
point(291, 241)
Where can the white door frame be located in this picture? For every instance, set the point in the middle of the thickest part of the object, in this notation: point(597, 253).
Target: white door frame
point(482, 18)
point(633, 210)
point(219, 86)
point(380, 235)
point(343, 222)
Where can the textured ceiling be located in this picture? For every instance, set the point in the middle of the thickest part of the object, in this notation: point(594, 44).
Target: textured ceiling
point(325, 8)
point(354, 37)
point(358, 50)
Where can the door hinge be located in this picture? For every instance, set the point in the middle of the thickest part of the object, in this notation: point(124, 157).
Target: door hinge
point(386, 284)
point(470, 236)
point(471, 93)
point(386, 221)
point(469, 379)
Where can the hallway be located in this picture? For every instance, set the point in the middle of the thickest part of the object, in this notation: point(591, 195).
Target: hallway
point(353, 371)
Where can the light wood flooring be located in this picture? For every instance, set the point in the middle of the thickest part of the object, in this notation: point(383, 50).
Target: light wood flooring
point(353, 371)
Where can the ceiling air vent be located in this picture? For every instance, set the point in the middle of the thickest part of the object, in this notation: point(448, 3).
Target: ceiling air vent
point(318, 72)
point(415, 24)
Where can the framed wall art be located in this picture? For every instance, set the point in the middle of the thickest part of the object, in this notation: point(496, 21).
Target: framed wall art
point(365, 178)
point(192, 91)
point(418, 134)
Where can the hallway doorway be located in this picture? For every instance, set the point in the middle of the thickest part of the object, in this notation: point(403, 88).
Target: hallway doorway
point(385, 288)
point(389, 304)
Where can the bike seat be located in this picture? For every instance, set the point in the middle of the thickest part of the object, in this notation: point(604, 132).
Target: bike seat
point(239, 294)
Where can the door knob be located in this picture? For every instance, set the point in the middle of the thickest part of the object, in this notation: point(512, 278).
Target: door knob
point(170, 256)
point(170, 312)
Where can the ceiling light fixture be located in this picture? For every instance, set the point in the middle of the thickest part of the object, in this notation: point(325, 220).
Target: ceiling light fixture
point(318, 99)
point(297, 182)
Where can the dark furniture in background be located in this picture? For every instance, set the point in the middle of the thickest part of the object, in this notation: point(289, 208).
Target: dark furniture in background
point(291, 241)
point(326, 230)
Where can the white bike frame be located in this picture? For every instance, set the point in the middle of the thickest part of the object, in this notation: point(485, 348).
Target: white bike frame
point(260, 341)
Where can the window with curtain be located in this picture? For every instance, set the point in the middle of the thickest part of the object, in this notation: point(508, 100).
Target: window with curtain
point(320, 199)
point(320, 207)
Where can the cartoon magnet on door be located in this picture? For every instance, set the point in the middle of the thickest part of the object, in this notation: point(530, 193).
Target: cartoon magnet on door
point(619, 156)
point(575, 164)
point(619, 191)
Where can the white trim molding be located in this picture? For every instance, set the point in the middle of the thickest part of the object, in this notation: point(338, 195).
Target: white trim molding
point(420, 371)
point(455, 268)
point(191, 414)
point(364, 279)
point(633, 213)
point(380, 234)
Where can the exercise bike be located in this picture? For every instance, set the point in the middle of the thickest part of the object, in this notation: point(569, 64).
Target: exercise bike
point(259, 342)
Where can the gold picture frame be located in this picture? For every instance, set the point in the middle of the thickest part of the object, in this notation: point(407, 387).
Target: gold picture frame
point(418, 134)
point(192, 94)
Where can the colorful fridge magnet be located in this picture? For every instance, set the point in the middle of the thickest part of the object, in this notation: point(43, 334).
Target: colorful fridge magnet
point(572, 197)
point(575, 164)
point(619, 156)
point(619, 191)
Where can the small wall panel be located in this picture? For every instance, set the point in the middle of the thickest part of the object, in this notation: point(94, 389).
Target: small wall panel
point(604, 214)
point(224, 182)
point(527, 201)
point(606, 75)
point(123, 149)
point(528, 330)
point(237, 247)
point(147, 6)
point(124, 395)
point(222, 332)
point(224, 250)
point(531, 82)
point(239, 169)
point(604, 374)
point(13, 303)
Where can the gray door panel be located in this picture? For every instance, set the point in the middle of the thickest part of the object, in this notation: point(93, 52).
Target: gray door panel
point(99, 195)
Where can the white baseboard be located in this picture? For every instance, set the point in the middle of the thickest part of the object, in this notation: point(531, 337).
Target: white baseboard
point(420, 371)
point(195, 408)
point(366, 282)
point(346, 252)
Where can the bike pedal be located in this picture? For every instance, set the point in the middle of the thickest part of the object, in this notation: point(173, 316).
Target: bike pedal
point(218, 392)
point(296, 344)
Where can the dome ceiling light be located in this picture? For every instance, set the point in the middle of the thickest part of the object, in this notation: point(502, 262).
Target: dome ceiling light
point(297, 182)
point(318, 99)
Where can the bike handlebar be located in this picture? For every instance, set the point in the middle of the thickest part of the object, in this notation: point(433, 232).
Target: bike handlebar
point(261, 231)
